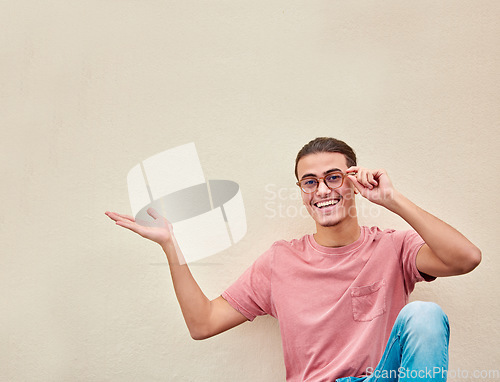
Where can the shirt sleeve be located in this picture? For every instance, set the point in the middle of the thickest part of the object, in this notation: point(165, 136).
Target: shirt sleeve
point(250, 294)
point(407, 244)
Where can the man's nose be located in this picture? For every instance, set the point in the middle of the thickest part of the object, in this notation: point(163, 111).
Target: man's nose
point(323, 188)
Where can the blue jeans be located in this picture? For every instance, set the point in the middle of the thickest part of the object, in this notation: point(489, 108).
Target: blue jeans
point(417, 349)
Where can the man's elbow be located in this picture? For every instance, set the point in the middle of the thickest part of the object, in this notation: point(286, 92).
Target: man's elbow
point(471, 260)
point(197, 337)
point(199, 334)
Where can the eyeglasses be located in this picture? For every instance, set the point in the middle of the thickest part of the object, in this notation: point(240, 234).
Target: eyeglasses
point(332, 181)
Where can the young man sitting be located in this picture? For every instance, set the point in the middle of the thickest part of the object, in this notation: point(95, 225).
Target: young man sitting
point(340, 295)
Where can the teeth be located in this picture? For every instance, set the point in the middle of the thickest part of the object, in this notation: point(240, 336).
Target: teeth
point(327, 203)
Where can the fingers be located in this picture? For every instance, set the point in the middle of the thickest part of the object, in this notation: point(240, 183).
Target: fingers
point(159, 219)
point(371, 179)
point(153, 213)
point(132, 226)
point(125, 221)
point(357, 186)
point(363, 177)
point(352, 170)
point(116, 216)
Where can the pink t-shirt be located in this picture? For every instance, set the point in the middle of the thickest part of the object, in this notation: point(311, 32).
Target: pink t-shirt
point(335, 306)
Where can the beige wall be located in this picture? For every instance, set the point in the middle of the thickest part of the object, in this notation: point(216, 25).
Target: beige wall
point(90, 88)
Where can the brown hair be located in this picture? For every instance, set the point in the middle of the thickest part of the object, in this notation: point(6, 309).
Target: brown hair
point(327, 145)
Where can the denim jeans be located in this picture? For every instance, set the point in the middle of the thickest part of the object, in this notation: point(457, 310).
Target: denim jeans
point(417, 349)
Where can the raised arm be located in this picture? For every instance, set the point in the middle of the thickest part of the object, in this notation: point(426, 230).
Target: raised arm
point(446, 251)
point(204, 318)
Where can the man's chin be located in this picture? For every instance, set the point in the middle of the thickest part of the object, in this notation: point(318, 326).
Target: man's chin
point(329, 223)
point(329, 219)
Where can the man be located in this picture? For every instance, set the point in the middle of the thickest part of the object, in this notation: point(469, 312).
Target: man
point(339, 295)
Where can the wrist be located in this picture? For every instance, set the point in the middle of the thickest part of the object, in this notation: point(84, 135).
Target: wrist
point(396, 201)
point(167, 245)
point(173, 252)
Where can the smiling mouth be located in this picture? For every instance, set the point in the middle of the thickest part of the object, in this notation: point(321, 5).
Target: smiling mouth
point(327, 203)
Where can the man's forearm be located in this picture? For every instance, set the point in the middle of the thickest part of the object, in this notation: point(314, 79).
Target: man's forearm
point(195, 306)
point(451, 247)
point(204, 318)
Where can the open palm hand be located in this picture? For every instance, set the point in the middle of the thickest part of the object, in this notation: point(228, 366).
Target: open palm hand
point(159, 230)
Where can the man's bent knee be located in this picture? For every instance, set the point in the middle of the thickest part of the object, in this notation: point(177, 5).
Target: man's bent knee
point(422, 314)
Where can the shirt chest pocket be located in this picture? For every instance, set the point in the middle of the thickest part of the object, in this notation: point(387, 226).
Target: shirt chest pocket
point(368, 301)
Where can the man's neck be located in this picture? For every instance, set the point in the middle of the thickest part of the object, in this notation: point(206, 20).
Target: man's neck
point(340, 235)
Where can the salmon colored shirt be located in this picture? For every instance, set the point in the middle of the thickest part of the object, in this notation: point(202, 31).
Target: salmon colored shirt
point(335, 306)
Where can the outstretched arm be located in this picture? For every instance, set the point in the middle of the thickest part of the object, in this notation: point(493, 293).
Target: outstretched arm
point(204, 318)
point(446, 251)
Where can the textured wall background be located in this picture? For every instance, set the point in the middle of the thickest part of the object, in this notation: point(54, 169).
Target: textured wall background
point(88, 89)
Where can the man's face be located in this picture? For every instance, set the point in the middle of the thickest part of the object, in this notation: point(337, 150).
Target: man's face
point(342, 206)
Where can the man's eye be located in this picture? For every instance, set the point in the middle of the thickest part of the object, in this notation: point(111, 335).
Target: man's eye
point(309, 182)
point(333, 178)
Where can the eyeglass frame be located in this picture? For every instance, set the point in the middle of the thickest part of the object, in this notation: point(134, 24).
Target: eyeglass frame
point(324, 181)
